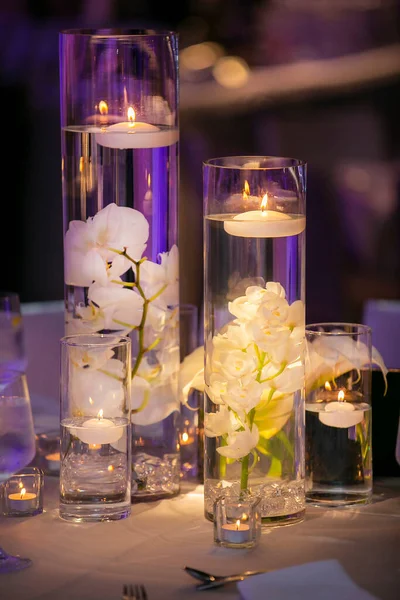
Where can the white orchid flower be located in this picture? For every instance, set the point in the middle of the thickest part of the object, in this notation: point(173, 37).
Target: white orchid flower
point(234, 337)
point(267, 337)
point(289, 351)
point(242, 309)
point(242, 398)
point(217, 388)
point(94, 390)
point(275, 288)
point(296, 316)
point(273, 310)
point(91, 246)
point(236, 364)
point(220, 423)
point(240, 443)
point(95, 358)
point(152, 403)
point(290, 380)
point(88, 319)
point(122, 307)
point(161, 281)
point(255, 294)
point(191, 373)
point(328, 359)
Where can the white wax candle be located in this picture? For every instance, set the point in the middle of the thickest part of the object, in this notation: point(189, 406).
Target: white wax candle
point(135, 134)
point(235, 533)
point(264, 224)
point(22, 501)
point(99, 431)
point(341, 415)
point(53, 461)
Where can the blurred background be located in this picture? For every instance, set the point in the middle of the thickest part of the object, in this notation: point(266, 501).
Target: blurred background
point(312, 79)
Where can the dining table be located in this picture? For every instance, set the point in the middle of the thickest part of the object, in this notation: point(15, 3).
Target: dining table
point(92, 561)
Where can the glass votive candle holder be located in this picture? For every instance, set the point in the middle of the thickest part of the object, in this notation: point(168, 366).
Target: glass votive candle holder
point(237, 523)
point(48, 450)
point(23, 493)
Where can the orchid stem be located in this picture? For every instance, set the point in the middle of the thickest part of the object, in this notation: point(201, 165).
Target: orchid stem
point(244, 476)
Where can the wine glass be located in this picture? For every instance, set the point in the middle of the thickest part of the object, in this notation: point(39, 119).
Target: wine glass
point(17, 441)
point(12, 344)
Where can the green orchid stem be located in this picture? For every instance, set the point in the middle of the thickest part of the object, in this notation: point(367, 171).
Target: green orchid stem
point(244, 476)
point(140, 328)
point(245, 473)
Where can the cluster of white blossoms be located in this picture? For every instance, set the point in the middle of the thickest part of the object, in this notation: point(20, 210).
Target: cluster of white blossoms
point(253, 369)
point(98, 253)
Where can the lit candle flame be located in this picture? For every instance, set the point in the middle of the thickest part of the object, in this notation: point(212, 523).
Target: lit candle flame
point(340, 396)
point(185, 437)
point(246, 190)
point(91, 401)
point(238, 524)
point(328, 386)
point(23, 492)
point(100, 414)
point(131, 115)
point(103, 107)
point(264, 203)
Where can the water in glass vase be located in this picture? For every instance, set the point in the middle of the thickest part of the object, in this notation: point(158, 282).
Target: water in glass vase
point(338, 453)
point(95, 475)
point(254, 315)
point(139, 172)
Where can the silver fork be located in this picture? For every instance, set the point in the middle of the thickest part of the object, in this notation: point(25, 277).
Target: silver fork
point(134, 592)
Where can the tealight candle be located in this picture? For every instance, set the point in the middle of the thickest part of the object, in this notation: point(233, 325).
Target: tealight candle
point(264, 223)
point(22, 501)
point(235, 533)
point(99, 431)
point(53, 461)
point(135, 134)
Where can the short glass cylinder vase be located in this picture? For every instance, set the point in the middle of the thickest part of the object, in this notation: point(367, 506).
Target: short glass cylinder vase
point(254, 333)
point(95, 468)
point(237, 521)
point(338, 414)
point(23, 493)
point(119, 123)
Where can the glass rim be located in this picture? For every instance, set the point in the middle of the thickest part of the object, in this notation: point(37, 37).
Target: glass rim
point(117, 32)
point(357, 328)
point(284, 162)
point(74, 340)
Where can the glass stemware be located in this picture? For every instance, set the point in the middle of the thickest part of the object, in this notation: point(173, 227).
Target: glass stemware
point(17, 441)
point(12, 343)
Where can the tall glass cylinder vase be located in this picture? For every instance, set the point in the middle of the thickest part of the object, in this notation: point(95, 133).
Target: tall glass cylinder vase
point(119, 126)
point(254, 333)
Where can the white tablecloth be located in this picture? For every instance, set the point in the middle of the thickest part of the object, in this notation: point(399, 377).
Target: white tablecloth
point(92, 561)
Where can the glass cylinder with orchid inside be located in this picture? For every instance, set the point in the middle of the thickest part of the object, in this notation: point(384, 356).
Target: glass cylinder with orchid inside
point(119, 119)
point(254, 334)
point(339, 360)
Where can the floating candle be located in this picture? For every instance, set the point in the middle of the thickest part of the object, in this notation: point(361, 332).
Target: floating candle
point(264, 223)
point(99, 431)
point(135, 134)
point(341, 414)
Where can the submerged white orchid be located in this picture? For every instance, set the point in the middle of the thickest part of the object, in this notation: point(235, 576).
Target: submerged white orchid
point(127, 292)
point(254, 367)
point(330, 356)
